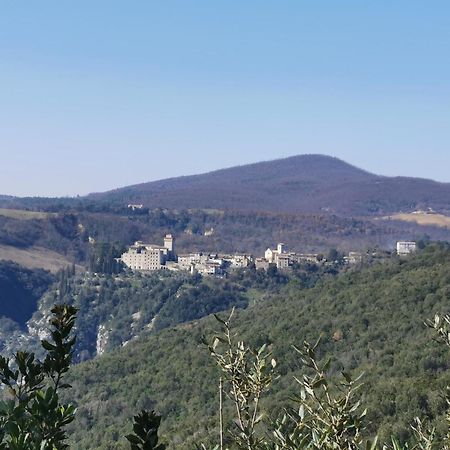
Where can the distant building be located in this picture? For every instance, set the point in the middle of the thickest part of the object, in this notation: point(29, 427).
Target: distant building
point(269, 255)
point(272, 255)
point(211, 263)
point(210, 267)
point(134, 207)
point(303, 257)
point(283, 260)
point(145, 257)
point(354, 258)
point(185, 260)
point(236, 260)
point(406, 247)
point(169, 243)
point(261, 263)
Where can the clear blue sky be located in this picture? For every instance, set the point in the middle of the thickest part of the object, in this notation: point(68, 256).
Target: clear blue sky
point(101, 94)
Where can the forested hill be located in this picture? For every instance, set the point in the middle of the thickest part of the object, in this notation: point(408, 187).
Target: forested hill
point(370, 320)
point(305, 183)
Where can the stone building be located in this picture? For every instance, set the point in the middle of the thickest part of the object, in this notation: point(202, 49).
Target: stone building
point(142, 256)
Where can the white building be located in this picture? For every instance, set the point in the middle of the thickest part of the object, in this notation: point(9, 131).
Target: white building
point(240, 261)
point(354, 258)
point(271, 255)
point(236, 260)
point(406, 247)
point(142, 256)
point(284, 259)
point(134, 207)
point(185, 260)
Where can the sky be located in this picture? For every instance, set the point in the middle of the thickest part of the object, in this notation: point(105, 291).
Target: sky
point(96, 95)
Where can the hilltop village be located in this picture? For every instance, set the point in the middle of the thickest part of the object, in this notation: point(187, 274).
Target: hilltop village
point(150, 257)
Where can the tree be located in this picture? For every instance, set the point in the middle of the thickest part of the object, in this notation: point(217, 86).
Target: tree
point(325, 415)
point(145, 432)
point(33, 417)
point(247, 374)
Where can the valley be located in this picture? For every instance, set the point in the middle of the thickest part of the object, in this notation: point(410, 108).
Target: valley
point(370, 321)
point(139, 332)
point(224, 225)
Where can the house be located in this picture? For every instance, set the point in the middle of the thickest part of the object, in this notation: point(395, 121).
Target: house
point(406, 247)
point(261, 263)
point(134, 207)
point(353, 258)
point(236, 260)
point(282, 261)
point(303, 257)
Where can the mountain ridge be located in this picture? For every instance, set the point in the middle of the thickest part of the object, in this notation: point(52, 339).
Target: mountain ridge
point(302, 184)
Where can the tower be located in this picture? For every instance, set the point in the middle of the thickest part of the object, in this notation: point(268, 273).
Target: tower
point(169, 243)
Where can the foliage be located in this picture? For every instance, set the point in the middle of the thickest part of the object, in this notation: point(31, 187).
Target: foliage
point(145, 432)
point(114, 309)
point(59, 233)
point(370, 321)
point(322, 419)
point(103, 258)
point(247, 373)
point(326, 416)
point(33, 416)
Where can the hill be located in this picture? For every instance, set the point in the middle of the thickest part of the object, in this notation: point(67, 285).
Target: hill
point(370, 320)
point(311, 202)
point(301, 184)
point(116, 309)
point(55, 241)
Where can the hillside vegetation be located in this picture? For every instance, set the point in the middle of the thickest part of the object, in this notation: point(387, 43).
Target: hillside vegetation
point(69, 233)
point(301, 184)
point(114, 310)
point(370, 320)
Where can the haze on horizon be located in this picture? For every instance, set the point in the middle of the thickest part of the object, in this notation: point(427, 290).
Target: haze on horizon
point(99, 95)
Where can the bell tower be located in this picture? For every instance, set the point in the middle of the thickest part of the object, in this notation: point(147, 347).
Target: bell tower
point(169, 243)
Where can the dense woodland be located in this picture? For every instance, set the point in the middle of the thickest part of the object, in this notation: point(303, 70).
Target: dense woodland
point(150, 326)
point(370, 320)
point(114, 309)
